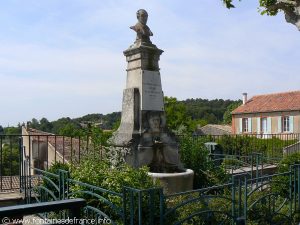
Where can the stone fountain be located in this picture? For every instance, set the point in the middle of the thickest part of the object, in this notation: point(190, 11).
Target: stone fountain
point(143, 138)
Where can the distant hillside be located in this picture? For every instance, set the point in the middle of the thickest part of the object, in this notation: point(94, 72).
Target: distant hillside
point(211, 111)
point(203, 110)
point(107, 121)
point(66, 125)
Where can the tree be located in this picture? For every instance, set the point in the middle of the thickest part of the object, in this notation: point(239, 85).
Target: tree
point(45, 125)
point(12, 130)
point(206, 111)
point(71, 130)
point(59, 124)
point(34, 123)
point(1, 130)
point(10, 158)
point(291, 9)
point(176, 114)
point(227, 118)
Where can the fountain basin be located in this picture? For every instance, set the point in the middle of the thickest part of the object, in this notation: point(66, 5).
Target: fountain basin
point(175, 182)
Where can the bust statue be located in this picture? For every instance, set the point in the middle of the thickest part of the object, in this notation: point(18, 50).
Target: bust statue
point(143, 32)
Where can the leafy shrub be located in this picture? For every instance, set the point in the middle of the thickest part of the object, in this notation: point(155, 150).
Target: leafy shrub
point(282, 181)
point(245, 145)
point(54, 169)
point(111, 179)
point(208, 207)
point(101, 174)
point(10, 158)
point(194, 155)
point(287, 161)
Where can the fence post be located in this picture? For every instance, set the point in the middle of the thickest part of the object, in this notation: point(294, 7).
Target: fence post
point(245, 198)
point(290, 192)
point(297, 187)
point(162, 206)
point(20, 164)
point(141, 206)
point(63, 184)
point(239, 211)
point(233, 211)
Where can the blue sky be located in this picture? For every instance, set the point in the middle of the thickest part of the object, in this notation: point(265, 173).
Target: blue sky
point(63, 58)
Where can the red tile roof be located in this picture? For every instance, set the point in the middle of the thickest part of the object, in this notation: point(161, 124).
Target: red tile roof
point(12, 183)
point(67, 147)
point(277, 102)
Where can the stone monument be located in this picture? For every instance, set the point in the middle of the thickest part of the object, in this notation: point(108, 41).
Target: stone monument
point(143, 132)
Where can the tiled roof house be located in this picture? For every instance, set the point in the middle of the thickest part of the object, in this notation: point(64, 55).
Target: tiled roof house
point(277, 113)
point(214, 129)
point(44, 148)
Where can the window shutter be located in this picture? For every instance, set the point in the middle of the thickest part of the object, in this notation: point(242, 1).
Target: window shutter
point(258, 125)
point(269, 125)
point(250, 125)
point(291, 119)
point(279, 126)
point(241, 125)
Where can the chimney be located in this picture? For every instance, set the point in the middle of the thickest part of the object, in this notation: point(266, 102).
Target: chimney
point(244, 98)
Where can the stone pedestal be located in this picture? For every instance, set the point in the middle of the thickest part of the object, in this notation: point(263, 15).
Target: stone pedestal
point(143, 130)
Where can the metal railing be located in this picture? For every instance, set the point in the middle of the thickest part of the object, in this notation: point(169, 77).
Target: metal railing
point(255, 164)
point(16, 213)
point(244, 198)
point(270, 199)
point(42, 151)
point(270, 145)
point(9, 162)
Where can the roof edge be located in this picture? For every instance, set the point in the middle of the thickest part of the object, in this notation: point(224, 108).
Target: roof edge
point(234, 113)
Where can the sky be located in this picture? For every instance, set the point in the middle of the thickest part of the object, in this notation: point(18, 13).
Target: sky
point(64, 58)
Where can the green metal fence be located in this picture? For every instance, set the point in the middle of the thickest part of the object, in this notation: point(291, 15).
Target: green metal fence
point(270, 199)
point(270, 145)
point(245, 199)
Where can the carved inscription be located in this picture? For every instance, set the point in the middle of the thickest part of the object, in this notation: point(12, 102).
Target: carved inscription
point(152, 89)
point(152, 96)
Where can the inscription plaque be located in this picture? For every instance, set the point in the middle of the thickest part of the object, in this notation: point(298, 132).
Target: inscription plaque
point(151, 91)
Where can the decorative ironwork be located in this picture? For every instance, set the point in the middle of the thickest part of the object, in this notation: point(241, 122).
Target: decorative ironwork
point(247, 197)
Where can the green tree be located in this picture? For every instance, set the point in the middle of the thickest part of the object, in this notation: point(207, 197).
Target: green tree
point(1, 130)
point(45, 125)
point(206, 111)
point(291, 9)
point(227, 118)
point(10, 157)
point(66, 126)
point(177, 118)
point(194, 155)
point(116, 124)
point(12, 130)
point(99, 137)
point(71, 130)
point(34, 123)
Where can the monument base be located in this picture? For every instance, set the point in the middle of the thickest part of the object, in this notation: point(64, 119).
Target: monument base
point(143, 138)
point(175, 182)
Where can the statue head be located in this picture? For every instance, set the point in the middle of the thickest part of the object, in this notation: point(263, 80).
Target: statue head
point(142, 16)
point(154, 123)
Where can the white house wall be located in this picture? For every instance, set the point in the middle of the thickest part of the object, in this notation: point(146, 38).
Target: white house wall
point(274, 121)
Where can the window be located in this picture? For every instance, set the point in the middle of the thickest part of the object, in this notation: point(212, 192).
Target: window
point(245, 125)
point(286, 124)
point(264, 125)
